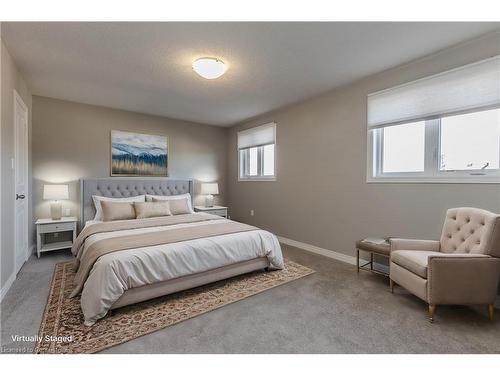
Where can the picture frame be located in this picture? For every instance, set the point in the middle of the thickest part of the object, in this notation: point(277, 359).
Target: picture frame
point(138, 154)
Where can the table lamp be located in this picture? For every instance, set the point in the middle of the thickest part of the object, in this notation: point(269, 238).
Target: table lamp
point(209, 189)
point(55, 193)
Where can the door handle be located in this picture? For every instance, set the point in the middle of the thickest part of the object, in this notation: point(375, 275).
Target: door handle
point(20, 196)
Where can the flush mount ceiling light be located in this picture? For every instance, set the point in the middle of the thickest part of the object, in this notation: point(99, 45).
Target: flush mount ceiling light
point(209, 67)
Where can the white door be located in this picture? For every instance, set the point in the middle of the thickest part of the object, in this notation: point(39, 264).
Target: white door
point(20, 180)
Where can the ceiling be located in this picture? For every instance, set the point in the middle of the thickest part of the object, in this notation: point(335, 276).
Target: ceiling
point(146, 67)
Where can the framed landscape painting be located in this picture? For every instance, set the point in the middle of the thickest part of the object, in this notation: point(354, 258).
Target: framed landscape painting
point(135, 154)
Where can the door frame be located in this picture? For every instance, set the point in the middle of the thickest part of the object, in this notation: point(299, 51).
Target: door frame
point(19, 101)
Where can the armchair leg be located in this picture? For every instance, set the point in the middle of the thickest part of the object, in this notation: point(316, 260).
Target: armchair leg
point(391, 283)
point(432, 308)
point(357, 260)
point(491, 311)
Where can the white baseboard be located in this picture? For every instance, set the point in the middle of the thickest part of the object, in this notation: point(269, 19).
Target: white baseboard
point(29, 252)
point(7, 286)
point(318, 250)
point(8, 283)
point(12, 277)
point(327, 253)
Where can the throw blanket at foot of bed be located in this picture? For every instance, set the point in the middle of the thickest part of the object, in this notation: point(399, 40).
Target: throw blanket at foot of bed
point(97, 249)
point(115, 226)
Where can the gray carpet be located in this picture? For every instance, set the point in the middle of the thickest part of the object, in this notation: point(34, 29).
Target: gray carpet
point(334, 310)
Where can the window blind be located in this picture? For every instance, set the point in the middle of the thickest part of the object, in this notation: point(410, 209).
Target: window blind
point(258, 136)
point(470, 87)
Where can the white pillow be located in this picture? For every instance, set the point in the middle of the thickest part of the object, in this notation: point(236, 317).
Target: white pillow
point(149, 198)
point(98, 208)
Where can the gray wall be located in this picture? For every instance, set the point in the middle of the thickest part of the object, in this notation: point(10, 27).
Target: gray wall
point(321, 196)
point(72, 141)
point(11, 80)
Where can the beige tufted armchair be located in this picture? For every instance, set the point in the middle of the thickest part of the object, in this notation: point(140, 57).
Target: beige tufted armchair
point(462, 268)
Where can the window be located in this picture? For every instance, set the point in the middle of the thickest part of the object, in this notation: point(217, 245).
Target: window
point(403, 149)
point(463, 147)
point(444, 128)
point(256, 152)
point(252, 154)
point(268, 160)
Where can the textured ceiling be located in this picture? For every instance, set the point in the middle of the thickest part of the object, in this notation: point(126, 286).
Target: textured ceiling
point(146, 67)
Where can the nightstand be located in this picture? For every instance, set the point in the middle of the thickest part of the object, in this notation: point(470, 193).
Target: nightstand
point(214, 210)
point(45, 226)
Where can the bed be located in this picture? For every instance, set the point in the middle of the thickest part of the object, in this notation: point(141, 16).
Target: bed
point(180, 252)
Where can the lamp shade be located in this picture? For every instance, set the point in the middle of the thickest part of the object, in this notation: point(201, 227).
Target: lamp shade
point(209, 67)
point(210, 188)
point(55, 192)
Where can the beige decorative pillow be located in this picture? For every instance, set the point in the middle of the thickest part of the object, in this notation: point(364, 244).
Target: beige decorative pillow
point(150, 198)
point(177, 206)
point(151, 209)
point(98, 199)
point(117, 210)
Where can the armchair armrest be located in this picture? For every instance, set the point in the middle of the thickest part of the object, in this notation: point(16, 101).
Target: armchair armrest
point(409, 244)
point(464, 279)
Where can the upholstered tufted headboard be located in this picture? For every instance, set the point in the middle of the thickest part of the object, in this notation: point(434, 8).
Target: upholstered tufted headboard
point(120, 187)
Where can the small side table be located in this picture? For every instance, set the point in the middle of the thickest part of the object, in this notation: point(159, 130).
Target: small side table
point(44, 226)
point(379, 246)
point(214, 210)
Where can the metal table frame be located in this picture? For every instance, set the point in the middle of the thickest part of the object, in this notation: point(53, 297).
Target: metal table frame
point(368, 266)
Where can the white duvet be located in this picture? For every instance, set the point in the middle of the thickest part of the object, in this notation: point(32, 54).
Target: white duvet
point(116, 272)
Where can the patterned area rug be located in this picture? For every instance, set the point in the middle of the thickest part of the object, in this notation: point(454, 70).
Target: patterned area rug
point(62, 329)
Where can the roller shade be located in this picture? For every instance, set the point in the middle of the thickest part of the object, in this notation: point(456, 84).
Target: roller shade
point(258, 136)
point(473, 86)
